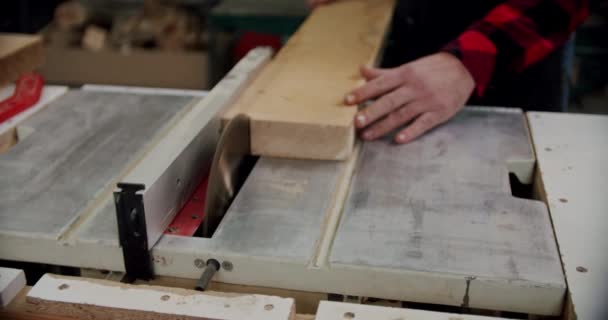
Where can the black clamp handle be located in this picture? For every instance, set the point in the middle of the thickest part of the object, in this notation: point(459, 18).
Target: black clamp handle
point(212, 267)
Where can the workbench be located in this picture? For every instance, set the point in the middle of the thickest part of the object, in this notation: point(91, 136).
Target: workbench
point(433, 221)
point(488, 213)
point(496, 212)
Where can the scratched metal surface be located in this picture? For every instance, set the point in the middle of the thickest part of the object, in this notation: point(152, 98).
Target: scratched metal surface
point(280, 209)
point(78, 147)
point(443, 204)
point(277, 214)
point(102, 228)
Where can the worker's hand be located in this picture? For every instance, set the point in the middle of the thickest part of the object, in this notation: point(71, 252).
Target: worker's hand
point(429, 91)
point(315, 3)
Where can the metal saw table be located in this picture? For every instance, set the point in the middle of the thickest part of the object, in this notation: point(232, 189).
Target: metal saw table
point(433, 221)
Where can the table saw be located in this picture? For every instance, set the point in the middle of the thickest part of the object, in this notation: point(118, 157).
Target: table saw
point(434, 221)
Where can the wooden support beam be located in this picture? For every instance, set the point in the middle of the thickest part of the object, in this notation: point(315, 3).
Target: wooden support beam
point(296, 104)
point(19, 54)
point(98, 299)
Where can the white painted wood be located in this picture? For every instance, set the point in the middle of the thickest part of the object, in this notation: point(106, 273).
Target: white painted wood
point(572, 152)
point(176, 256)
point(145, 90)
point(100, 299)
point(49, 94)
point(12, 281)
point(173, 168)
point(64, 252)
point(344, 311)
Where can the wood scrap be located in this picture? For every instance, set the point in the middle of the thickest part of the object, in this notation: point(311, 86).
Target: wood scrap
point(94, 38)
point(11, 283)
point(7, 140)
point(166, 26)
point(70, 15)
point(296, 104)
point(19, 54)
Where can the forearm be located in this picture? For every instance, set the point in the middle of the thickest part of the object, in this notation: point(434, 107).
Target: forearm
point(515, 35)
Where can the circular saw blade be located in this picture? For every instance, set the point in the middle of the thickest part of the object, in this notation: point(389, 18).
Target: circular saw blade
point(231, 165)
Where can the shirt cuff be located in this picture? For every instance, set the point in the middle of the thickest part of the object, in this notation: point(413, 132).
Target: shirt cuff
point(478, 54)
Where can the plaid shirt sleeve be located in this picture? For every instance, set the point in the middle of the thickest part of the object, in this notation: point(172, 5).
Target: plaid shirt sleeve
point(515, 35)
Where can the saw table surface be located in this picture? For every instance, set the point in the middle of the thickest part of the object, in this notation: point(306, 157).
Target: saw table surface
point(443, 203)
point(433, 221)
point(75, 150)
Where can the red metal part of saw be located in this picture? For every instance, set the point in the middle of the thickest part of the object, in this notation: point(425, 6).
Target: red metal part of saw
point(190, 217)
point(28, 90)
point(210, 201)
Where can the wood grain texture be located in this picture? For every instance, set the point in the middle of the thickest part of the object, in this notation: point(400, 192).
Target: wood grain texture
point(296, 104)
point(100, 299)
point(572, 157)
point(19, 54)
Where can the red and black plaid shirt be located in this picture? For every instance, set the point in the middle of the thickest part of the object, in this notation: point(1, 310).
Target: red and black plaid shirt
point(515, 35)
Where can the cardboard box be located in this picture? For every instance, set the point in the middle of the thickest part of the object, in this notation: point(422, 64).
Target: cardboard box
point(135, 67)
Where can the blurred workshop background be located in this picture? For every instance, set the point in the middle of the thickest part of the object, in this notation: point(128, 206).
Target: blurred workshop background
point(191, 44)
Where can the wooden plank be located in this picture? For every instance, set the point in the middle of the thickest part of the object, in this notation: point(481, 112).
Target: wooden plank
point(306, 302)
point(443, 205)
point(132, 69)
point(296, 105)
point(19, 54)
point(572, 157)
point(335, 310)
point(18, 309)
point(99, 299)
point(12, 281)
